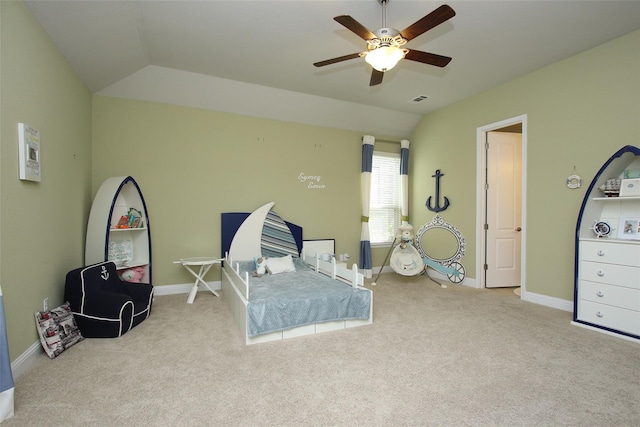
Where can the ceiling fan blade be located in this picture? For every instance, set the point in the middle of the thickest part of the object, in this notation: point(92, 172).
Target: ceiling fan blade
point(376, 77)
point(427, 58)
point(435, 18)
point(338, 59)
point(355, 27)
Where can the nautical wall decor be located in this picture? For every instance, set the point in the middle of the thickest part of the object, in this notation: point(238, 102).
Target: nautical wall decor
point(437, 207)
point(574, 180)
point(450, 264)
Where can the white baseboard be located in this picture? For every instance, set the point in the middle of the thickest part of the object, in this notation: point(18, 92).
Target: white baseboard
point(26, 360)
point(560, 304)
point(29, 357)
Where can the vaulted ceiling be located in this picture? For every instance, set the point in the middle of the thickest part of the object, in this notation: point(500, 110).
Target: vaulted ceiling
point(274, 43)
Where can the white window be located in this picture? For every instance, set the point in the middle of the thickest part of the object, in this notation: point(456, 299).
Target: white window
point(385, 209)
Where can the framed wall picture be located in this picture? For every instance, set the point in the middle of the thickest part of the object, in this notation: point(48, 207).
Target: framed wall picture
point(29, 153)
point(629, 229)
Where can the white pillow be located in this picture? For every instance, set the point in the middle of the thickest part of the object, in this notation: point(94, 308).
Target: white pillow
point(280, 265)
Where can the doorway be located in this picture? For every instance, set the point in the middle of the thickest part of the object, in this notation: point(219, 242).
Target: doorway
point(501, 179)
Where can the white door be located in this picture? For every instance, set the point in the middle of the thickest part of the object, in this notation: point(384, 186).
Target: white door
point(503, 225)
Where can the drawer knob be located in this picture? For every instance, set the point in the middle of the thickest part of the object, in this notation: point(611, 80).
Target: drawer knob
point(600, 273)
point(600, 314)
point(600, 252)
point(600, 294)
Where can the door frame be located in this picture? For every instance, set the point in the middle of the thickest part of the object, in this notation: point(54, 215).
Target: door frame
point(481, 137)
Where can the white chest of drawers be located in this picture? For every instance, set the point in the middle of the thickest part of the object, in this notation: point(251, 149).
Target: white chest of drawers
point(609, 287)
point(607, 263)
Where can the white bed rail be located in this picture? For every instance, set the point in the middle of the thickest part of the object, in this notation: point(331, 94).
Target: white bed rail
point(236, 269)
point(350, 276)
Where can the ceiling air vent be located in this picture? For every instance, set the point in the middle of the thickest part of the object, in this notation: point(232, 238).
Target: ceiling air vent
point(418, 99)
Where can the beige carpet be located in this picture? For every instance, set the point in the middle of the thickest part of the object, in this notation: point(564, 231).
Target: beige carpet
point(437, 357)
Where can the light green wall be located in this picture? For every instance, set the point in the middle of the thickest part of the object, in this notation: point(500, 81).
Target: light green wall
point(194, 164)
point(43, 224)
point(579, 112)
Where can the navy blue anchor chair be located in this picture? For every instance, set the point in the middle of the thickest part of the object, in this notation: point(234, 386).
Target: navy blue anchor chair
point(103, 305)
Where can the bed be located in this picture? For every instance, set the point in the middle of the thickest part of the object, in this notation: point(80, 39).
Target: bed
point(319, 296)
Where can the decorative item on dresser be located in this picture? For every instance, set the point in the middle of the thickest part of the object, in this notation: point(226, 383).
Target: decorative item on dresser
point(607, 264)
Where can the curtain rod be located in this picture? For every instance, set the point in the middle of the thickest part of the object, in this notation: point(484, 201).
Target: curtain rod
point(384, 140)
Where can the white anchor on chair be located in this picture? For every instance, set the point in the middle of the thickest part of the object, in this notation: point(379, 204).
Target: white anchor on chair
point(104, 274)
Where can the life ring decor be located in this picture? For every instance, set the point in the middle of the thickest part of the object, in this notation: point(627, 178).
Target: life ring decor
point(574, 181)
point(439, 222)
point(601, 228)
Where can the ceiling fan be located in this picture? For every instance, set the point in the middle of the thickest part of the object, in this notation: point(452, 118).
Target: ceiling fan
point(384, 44)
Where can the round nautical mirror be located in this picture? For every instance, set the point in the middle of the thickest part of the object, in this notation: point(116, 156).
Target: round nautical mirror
point(440, 241)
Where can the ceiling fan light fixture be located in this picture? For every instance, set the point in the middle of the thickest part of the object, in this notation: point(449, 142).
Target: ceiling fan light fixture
point(384, 45)
point(385, 58)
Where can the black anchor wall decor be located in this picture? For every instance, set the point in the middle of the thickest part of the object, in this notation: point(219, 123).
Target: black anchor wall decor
point(437, 207)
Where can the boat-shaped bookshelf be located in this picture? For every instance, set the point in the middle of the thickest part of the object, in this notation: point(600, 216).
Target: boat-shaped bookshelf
point(118, 228)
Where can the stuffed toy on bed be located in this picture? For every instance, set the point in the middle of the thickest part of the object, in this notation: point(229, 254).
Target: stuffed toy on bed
point(261, 267)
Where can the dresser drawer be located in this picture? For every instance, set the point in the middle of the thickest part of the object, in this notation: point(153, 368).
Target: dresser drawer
point(610, 317)
point(610, 295)
point(624, 253)
point(612, 274)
